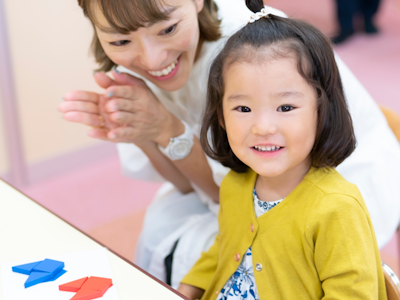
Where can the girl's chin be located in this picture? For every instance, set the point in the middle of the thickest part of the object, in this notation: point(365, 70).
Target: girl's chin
point(267, 170)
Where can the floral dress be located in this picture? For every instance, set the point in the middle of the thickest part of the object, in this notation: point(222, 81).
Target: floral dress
point(242, 284)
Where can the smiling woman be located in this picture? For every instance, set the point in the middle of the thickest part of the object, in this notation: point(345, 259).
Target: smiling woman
point(124, 17)
point(163, 51)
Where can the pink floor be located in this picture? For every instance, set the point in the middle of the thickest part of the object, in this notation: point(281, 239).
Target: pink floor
point(99, 200)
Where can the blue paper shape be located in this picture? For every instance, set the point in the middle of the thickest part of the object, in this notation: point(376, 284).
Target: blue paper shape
point(49, 265)
point(25, 269)
point(41, 271)
point(37, 277)
point(58, 275)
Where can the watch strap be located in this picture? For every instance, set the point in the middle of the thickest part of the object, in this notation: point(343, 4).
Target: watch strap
point(179, 147)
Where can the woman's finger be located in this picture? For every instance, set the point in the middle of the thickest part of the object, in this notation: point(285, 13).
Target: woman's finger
point(122, 117)
point(123, 134)
point(118, 104)
point(98, 133)
point(127, 92)
point(127, 79)
point(103, 80)
point(82, 96)
point(81, 106)
point(92, 120)
point(103, 134)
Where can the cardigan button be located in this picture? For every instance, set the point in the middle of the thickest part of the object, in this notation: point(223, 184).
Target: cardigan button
point(252, 228)
point(259, 267)
point(237, 257)
point(217, 292)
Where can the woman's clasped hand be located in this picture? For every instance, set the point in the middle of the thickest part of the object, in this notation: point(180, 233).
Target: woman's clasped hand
point(127, 111)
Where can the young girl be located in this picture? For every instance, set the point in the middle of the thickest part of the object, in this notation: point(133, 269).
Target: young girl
point(291, 227)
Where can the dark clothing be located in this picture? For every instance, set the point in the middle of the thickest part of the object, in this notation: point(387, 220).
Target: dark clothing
point(347, 9)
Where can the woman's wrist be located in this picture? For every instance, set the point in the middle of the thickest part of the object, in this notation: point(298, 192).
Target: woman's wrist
point(173, 128)
point(146, 146)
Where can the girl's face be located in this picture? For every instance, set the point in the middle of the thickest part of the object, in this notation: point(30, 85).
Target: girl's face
point(163, 52)
point(270, 114)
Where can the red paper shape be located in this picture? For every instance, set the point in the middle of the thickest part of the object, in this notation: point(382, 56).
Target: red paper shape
point(98, 284)
point(87, 295)
point(87, 288)
point(73, 286)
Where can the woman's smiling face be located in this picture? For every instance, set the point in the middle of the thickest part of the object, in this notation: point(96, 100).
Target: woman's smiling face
point(162, 52)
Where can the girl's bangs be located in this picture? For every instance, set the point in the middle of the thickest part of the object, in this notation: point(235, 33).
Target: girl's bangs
point(124, 16)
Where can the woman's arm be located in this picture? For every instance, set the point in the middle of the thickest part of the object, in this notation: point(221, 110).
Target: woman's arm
point(165, 168)
point(194, 166)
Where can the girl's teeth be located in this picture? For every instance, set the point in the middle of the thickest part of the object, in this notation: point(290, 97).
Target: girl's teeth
point(267, 148)
point(165, 71)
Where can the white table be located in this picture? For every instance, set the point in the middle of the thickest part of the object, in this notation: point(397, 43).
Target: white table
point(24, 222)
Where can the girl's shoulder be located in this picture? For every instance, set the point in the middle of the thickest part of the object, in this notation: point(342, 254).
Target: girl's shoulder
point(238, 179)
point(318, 181)
point(321, 190)
point(330, 181)
point(330, 193)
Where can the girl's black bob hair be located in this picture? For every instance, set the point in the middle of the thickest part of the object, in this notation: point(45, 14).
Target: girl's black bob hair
point(282, 37)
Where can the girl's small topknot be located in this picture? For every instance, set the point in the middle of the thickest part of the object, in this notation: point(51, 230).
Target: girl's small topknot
point(255, 5)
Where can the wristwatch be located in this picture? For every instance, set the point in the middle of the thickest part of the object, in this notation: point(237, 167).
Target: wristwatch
point(179, 147)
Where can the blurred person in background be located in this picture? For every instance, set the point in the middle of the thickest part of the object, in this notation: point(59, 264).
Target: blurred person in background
point(348, 10)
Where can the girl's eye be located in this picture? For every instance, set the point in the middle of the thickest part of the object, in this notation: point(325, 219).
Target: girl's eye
point(285, 108)
point(169, 30)
point(120, 43)
point(243, 109)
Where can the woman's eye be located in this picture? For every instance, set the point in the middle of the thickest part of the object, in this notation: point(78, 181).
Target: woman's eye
point(285, 108)
point(244, 109)
point(169, 30)
point(120, 43)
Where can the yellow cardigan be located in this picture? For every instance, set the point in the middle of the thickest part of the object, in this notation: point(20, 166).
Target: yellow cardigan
point(318, 243)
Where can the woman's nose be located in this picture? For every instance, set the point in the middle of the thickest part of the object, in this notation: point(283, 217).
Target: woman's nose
point(264, 124)
point(152, 55)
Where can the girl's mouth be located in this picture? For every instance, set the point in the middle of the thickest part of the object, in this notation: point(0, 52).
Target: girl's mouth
point(267, 148)
point(167, 72)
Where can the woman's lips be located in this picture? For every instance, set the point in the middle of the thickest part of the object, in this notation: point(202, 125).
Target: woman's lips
point(172, 72)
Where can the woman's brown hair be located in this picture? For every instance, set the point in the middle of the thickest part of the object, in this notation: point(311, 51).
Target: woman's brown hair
point(282, 37)
point(125, 16)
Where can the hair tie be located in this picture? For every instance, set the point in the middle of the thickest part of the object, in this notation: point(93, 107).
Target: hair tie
point(264, 13)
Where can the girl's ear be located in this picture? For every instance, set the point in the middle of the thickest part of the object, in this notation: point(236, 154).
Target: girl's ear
point(221, 119)
point(199, 5)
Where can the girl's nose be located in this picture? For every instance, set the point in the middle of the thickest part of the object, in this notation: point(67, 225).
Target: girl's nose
point(152, 56)
point(264, 124)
